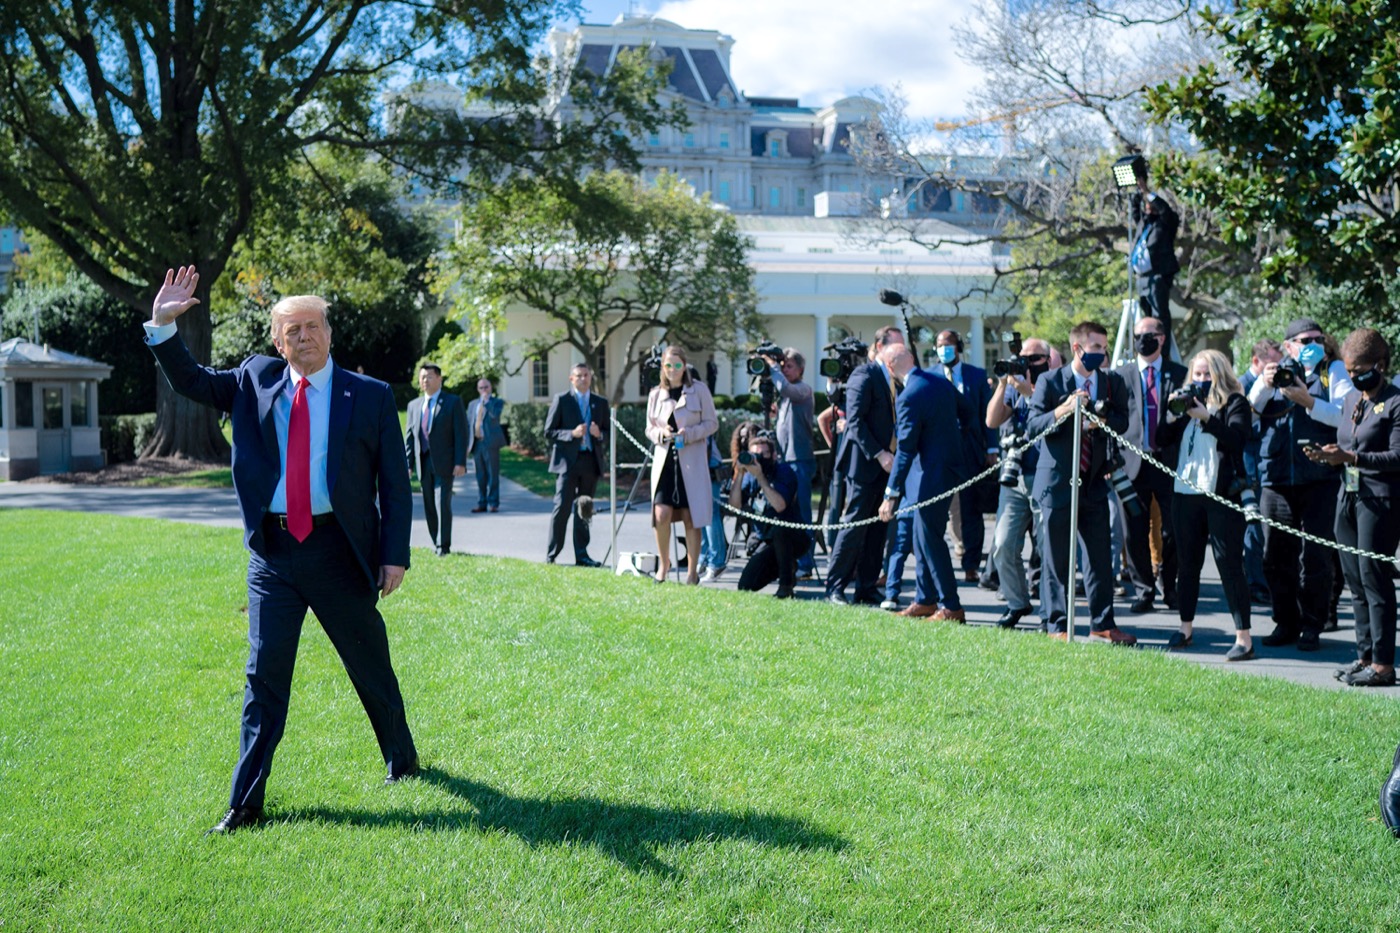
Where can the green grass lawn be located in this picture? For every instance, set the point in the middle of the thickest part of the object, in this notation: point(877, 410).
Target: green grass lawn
point(602, 753)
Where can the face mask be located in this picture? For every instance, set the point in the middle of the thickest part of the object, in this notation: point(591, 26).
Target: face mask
point(1202, 387)
point(1148, 344)
point(947, 354)
point(1035, 370)
point(1092, 361)
point(1311, 354)
point(1368, 380)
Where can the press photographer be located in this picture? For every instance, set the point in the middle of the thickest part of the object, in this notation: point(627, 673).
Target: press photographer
point(1153, 259)
point(773, 550)
point(1299, 401)
point(796, 412)
point(1017, 512)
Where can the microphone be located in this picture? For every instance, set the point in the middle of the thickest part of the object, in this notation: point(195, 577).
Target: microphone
point(890, 297)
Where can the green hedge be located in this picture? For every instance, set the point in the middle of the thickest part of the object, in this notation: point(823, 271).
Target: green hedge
point(123, 436)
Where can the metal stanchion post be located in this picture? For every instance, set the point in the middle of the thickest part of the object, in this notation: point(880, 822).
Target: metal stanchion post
point(1070, 598)
point(612, 488)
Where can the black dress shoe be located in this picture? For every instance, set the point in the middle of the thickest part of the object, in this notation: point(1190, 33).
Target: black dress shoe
point(784, 592)
point(837, 599)
point(1390, 797)
point(549, 560)
point(478, 510)
point(1179, 640)
point(586, 561)
point(410, 772)
point(1279, 637)
point(1309, 641)
point(236, 818)
point(1141, 605)
point(1010, 617)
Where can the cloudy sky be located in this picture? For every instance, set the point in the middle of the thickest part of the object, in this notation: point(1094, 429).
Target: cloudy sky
point(823, 50)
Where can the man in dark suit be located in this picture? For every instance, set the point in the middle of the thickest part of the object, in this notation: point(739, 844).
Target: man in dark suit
point(576, 426)
point(867, 451)
point(1150, 380)
point(979, 445)
point(485, 440)
point(1153, 257)
point(435, 442)
point(926, 413)
point(1055, 396)
point(323, 488)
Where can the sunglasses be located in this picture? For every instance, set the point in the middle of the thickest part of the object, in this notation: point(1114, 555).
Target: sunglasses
point(1035, 356)
point(1307, 340)
point(674, 365)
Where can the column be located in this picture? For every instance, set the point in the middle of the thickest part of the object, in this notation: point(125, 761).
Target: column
point(820, 337)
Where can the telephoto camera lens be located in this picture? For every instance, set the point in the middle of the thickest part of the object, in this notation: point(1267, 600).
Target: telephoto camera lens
point(745, 458)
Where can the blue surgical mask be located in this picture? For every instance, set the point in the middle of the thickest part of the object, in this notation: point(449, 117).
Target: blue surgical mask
point(1092, 361)
point(947, 355)
point(1311, 354)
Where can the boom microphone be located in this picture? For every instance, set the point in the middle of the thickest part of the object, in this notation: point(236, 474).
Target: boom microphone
point(890, 297)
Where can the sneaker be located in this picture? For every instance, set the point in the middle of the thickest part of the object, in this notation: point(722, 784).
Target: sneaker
point(712, 575)
point(1355, 667)
point(890, 605)
point(1370, 677)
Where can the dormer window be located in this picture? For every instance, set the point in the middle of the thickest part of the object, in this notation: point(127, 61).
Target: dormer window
point(724, 99)
point(775, 144)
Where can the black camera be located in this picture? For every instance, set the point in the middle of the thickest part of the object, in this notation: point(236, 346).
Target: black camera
point(1289, 372)
point(651, 365)
point(1011, 454)
point(850, 353)
point(1184, 399)
point(757, 365)
point(1016, 365)
point(746, 458)
point(1249, 499)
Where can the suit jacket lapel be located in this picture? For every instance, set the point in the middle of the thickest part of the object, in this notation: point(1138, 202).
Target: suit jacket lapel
point(267, 400)
point(342, 403)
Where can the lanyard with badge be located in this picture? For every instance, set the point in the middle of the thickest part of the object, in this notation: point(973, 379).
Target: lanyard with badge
point(1351, 474)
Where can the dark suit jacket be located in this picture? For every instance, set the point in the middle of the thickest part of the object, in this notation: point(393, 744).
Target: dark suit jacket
point(927, 419)
point(493, 436)
point(365, 465)
point(1055, 468)
point(1174, 376)
point(447, 435)
point(1231, 429)
point(565, 415)
point(869, 423)
point(1376, 441)
point(975, 438)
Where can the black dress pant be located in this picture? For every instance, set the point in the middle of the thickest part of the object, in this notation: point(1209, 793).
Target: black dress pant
point(1371, 525)
point(1154, 300)
point(322, 574)
point(1137, 533)
point(437, 508)
point(1199, 519)
point(857, 553)
point(1056, 585)
point(581, 479)
point(1299, 572)
point(774, 558)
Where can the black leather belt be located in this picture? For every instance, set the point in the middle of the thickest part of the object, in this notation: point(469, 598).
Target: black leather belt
point(317, 521)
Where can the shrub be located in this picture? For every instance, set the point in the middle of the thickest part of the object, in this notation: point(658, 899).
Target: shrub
point(123, 436)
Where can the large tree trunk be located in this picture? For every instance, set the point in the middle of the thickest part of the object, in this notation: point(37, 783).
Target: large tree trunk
point(185, 428)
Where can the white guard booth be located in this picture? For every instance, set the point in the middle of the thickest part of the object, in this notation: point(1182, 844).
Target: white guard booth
point(48, 411)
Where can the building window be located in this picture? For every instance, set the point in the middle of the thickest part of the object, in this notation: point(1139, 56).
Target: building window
point(959, 202)
point(724, 192)
point(2, 404)
point(600, 371)
point(539, 379)
point(775, 148)
point(53, 408)
point(78, 406)
point(724, 140)
point(24, 404)
point(801, 197)
point(775, 197)
point(753, 195)
point(690, 140)
point(654, 139)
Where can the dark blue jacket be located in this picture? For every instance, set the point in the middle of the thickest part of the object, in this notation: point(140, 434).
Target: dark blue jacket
point(1284, 430)
point(869, 423)
point(924, 464)
point(365, 464)
point(1057, 454)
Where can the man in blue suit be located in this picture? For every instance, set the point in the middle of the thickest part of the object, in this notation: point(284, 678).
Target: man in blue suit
point(319, 470)
point(484, 443)
point(1055, 396)
point(926, 414)
point(979, 445)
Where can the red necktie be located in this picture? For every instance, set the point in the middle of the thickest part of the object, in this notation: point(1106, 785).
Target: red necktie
point(1086, 441)
point(1151, 407)
point(299, 466)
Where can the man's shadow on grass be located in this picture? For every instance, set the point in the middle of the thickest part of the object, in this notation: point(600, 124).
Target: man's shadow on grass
point(629, 833)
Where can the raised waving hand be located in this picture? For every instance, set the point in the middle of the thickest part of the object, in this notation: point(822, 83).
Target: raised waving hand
point(176, 296)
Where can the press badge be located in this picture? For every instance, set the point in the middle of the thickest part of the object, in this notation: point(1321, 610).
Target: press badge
point(1351, 478)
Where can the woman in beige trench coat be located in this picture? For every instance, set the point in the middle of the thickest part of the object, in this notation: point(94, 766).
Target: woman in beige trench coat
point(680, 416)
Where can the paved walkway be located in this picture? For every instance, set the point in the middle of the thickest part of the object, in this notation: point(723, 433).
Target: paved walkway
point(521, 530)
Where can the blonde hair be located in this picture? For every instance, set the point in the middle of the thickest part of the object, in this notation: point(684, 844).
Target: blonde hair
point(677, 351)
point(1223, 381)
point(292, 304)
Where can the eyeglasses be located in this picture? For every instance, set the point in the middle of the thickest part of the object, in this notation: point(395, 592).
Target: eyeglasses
point(674, 365)
point(1307, 340)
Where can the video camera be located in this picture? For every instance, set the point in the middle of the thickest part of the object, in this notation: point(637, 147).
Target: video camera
point(757, 365)
point(651, 366)
point(850, 353)
point(1289, 372)
point(1017, 365)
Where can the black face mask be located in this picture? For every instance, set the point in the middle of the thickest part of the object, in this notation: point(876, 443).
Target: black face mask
point(1148, 344)
point(1368, 380)
point(1035, 370)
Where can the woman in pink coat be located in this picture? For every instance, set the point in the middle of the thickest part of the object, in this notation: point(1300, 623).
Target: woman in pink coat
point(680, 415)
